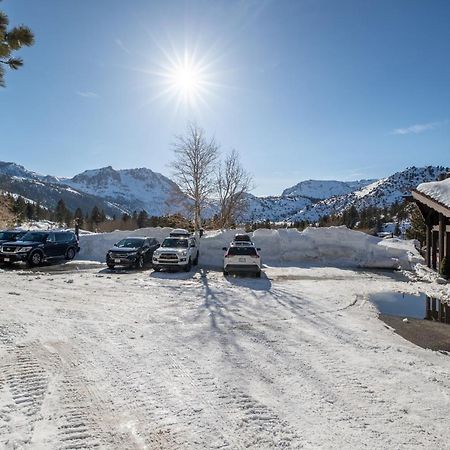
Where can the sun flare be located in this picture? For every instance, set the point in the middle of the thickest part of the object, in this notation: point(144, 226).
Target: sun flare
point(186, 80)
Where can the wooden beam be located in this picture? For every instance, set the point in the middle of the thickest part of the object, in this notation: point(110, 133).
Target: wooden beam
point(433, 204)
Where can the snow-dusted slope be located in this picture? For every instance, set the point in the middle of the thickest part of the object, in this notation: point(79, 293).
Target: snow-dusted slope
point(132, 189)
point(48, 190)
point(381, 193)
point(273, 208)
point(322, 189)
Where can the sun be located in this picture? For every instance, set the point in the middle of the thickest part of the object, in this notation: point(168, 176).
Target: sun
point(186, 80)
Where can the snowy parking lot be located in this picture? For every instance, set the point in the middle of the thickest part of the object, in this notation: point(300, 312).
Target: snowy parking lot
point(144, 360)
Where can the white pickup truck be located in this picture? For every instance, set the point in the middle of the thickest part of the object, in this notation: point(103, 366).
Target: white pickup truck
point(176, 253)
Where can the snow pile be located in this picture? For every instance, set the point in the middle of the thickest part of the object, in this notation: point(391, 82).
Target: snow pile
point(437, 190)
point(94, 246)
point(332, 246)
point(336, 246)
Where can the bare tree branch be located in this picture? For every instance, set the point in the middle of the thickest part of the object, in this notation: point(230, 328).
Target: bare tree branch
point(233, 182)
point(193, 168)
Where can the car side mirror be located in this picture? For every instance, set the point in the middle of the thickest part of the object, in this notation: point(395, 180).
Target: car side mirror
point(158, 245)
point(258, 249)
point(224, 249)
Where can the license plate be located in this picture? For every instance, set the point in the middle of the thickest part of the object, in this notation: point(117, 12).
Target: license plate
point(242, 260)
point(6, 259)
point(117, 260)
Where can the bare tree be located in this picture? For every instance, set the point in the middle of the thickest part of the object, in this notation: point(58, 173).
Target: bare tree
point(193, 168)
point(233, 182)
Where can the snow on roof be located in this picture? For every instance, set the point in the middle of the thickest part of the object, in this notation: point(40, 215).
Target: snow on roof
point(437, 190)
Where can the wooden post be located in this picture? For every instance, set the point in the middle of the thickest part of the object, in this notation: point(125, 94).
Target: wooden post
point(440, 311)
point(447, 313)
point(441, 238)
point(434, 244)
point(428, 239)
point(428, 309)
point(433, 308)
point(447, 245)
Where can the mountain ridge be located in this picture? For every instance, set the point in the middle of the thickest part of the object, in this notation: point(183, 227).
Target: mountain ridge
point(127, 190)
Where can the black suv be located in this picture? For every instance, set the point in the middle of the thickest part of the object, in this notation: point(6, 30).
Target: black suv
point(10, 235)
point(38, 246)
point(132, 252)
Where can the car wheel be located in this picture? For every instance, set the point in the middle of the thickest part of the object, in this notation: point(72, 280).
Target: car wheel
point(35, 259)
point(188, 266)
point(70, 254)
point(225, 273)
point(157, 269)
point(258, 274)
point(110, 266)
point(196, 259)
point(140, 263)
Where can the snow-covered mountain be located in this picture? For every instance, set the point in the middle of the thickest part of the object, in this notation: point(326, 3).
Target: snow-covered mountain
point(381, 193)
point(48, 190)
point(131, 189)
point(322, 189)
point(128, 190)
point(114, 191)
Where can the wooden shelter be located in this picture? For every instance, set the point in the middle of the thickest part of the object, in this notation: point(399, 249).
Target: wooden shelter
point(433, 200)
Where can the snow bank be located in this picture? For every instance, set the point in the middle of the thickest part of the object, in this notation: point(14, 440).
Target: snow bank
point(337, 246)
point(332, 246)
point(94, 246)
point(437, 190)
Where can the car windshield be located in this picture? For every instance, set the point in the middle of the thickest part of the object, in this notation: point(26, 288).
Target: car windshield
point(130, 243)
point(174, 242)
point(7, 235)
point(34, 237)
point(242, 251)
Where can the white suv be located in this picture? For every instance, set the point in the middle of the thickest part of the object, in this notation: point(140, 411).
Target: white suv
point(240, 258)
point(176, 253)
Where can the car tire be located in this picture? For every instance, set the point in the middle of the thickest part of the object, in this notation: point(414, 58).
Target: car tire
point(70, 254)
point(196, 259)
point(110, 266)
point(35, 259)
point(188, 266)
point(225, 273)
point(140, 263)
point(157, 269)
point(258, 274)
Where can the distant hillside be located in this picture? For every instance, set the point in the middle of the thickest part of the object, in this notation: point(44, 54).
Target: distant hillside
point(322, 189)
point(48, 190)
point(381, 193)
point(128, 190)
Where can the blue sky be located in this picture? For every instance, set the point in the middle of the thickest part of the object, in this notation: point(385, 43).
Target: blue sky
point(302, 89)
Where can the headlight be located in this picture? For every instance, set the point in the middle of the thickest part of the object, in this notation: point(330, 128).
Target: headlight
point(183, 253)
point(24, 249)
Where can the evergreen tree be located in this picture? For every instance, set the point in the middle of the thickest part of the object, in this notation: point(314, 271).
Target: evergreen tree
point(10, 41)
point(96, 216)
point(79, 215)
point(418, 228)
point(60, 212)
point(142, 219)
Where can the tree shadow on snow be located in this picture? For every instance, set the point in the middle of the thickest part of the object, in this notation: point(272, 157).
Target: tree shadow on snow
point(174, 275)
point(247, 281)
